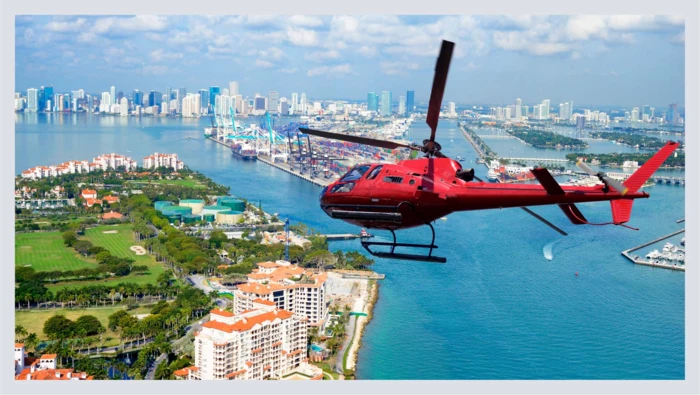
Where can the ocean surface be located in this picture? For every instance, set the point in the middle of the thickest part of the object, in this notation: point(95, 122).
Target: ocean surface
point(506, 305)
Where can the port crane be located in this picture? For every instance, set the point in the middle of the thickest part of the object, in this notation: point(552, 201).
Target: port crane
point(416, 192)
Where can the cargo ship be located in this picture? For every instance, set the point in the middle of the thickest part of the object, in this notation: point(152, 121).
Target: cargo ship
point(243, 151)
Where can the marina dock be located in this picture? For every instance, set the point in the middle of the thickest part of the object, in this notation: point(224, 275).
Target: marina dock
point(626, 254)
point(343, 236)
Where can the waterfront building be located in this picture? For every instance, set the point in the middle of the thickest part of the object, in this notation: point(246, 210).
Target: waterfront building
point(402, 106)
point(137, 97)
point(284, 107)
point(204, 101)
point(257, 344)
point(162, 160)
point(386, 103)
point(124, 107)
point(233, 88)
point(672, 115)
point(105, 102)
point(410, 104)
point(288, 287)
point(544, 109)
point(260, 104)
point(518, 108)
point(273, 102)
point(372, 102)
point(302, 104)
point(295, 103)
point(213, 93)
point(42, 368)
point(452, 109)
point(32, 100)
point(634, 115)
point(113, 95)
point(155, 98)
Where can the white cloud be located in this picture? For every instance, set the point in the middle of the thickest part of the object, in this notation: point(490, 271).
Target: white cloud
point(154, 69)
point(678, 38)
point(305, 20)
point(40, 55)
point(68, 54)
point(87, 37)
point(575, 55)
point(301, 37)
point(197, 33)
point(263, 63)
point(320, 56)
point(66, 26)
point(114, 52)
point(399, 67)
point(160, 54)
point(288, 71)
point(271, 53)
point(28, 34)
point(470, 66)
point(367, 51)
point(138, 23)
point(330, 70)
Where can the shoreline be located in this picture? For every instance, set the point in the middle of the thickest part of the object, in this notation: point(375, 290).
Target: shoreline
point(356, 344)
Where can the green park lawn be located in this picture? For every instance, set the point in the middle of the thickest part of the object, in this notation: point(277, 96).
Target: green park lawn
point(33, 320)
point(184, 183)
point(45, 251)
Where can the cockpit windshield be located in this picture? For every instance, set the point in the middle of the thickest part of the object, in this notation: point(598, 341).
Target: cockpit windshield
point(356, 173)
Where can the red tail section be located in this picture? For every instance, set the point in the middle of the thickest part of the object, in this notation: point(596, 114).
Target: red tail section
point(640, 176)
point(622, 209)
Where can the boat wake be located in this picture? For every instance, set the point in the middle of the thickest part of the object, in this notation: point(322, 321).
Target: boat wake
point(548, 252)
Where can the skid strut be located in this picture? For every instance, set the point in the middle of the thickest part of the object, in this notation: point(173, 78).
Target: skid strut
point(411, 257)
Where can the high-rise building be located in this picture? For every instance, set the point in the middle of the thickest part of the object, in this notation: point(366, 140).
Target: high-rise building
point(204, 97)
point(646, 110)
point(238, 103)
point(48, 97)
point(402, 106)
point(32, 100)
point(105, 102)
point(124, 107)
point(284, 107)
point(295, 103)
point(137, 98)
point(564, 111)
point(544, 109)
point(386, 103)
point(213, 93)
point(651, 113)
point(518, 108)
point(372, 102)
point(197, 104)
point(155, 98)
point(273, 102)
point(169, 93)
point(233, 88)
point(634, 115)
point(524, 111)
point(672, 115)
point(260, 103)
point(410, 104)
point(113, 94)
point(452, 109)
point(302, 104)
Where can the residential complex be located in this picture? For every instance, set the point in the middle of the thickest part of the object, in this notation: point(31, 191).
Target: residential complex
point(42, 368)
point(162, 160)
point(102, 162)
point(261, 343)
point(287, 287)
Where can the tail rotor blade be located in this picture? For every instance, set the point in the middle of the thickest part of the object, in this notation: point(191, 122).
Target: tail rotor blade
point(581, 165)
point(439, 81)
point(616, 185)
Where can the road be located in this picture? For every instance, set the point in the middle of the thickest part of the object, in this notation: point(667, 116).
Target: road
point(152, 370)
point(200, 282)
point(350, 330)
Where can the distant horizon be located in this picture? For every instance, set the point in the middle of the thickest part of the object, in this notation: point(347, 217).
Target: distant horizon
point(591, 59)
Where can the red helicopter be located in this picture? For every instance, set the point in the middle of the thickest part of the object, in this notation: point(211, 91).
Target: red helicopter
point(417, 192)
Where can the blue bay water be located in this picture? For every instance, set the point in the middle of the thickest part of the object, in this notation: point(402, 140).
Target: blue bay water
point(498, 309)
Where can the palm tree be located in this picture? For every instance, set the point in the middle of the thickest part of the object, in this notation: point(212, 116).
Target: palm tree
point(31, 341)
point(20, 333)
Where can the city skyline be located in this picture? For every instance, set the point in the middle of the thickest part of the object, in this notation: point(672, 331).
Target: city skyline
point(592, 59)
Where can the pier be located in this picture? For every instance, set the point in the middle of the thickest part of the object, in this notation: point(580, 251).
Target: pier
point(556, 160)
point(317, 181)
point(626, 254)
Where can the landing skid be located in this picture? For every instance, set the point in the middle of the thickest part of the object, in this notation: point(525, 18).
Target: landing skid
point(411, 257)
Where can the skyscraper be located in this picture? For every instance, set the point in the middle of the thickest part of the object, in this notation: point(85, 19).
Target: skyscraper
point(273, 102)
point(386, 103)
point(48, 99)
point(233, 88)
point(544, 109)
point(402, 106)
point(518, 108)
point(295, 103)
point(372, 102)
point(204, 97)
point(197, 110)
point(646, 110)
point(137, 98)
point(453, 109)
point(302, 104)
point(260, 103)
point(124, 107)
point(213, 93)
point(32, 100)
point(169, 93)
point(113, 95)
point(105, 102)
point(634, 115)
point(410, 105)
point(155, 98)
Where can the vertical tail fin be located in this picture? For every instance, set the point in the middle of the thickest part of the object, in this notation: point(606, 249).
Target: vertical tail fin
point(640, 176)
point(621, 210)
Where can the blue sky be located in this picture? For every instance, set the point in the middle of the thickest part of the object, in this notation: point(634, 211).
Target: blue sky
point(621, 60)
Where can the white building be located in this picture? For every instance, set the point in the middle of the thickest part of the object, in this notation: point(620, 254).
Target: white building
point(257, 344)
point(113, 95)
point(102, 162)
point(295, 104)
point(233, 88)
point(162, 160)
point(124, 107)
point(285, 286)
point(105, 102)
point(518, 108)
point(32, 100)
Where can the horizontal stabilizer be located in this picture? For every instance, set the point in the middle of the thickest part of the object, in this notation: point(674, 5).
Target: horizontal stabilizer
point(640, 176)
point(548, 182)
point(621, 210)
point(573, 213)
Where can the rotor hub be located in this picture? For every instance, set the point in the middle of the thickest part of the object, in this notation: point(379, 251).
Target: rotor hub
point(431, 147)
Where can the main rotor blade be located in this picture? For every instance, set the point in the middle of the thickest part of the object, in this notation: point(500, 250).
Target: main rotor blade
point(441, 68)
point(551, 225)
point(357, 139)
point(585, 168)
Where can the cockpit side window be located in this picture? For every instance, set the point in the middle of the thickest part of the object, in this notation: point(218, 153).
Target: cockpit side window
point(356, 173)
point(373, 174)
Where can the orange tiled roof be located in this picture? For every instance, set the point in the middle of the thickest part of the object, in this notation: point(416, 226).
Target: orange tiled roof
point(88, 192)
point(48, 356)
point(111, 215)
point(182, 372)
point(222, 313)
point(249, 363)
point(257, 350)
point(19, 345)
point(248, 322)
point(50, 374)
point(267, 264)
point(265, 302)
point(234, 374)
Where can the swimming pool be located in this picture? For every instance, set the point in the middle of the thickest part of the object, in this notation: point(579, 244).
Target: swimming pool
point(316, 348)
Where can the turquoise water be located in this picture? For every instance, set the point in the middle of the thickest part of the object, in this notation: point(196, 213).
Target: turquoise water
point(316, 348)
point(498, 309)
